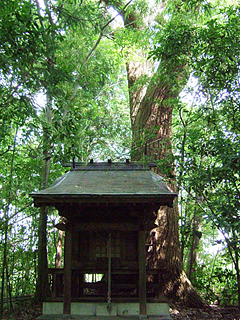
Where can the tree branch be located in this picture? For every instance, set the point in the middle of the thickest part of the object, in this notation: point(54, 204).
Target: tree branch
point(90, 54)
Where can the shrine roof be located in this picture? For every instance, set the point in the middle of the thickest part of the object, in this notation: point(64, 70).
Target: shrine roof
point(106, 183)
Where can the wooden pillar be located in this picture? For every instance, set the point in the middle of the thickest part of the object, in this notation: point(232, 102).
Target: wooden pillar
point(109, 253)
point(142, 274)
point(67, 273)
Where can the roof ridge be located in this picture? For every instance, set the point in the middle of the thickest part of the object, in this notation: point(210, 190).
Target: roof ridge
point(108, 166)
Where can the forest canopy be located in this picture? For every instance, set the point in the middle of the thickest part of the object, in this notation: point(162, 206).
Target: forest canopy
point(146, 80)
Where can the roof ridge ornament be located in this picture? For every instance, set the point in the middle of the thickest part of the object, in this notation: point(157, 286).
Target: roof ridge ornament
point(109, 165)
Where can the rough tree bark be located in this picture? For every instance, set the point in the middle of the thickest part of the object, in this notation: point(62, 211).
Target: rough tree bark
point(154, 120)
point(151, 110)
point(152, 126)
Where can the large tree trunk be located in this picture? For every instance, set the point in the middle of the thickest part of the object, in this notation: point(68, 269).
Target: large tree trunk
point(152, 134)
point(151, 106)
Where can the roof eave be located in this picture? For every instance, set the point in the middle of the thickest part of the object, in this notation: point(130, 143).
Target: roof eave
point(163, 199)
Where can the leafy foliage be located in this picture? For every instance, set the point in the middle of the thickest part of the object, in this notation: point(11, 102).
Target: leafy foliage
point(67, 54)
point(49, 52)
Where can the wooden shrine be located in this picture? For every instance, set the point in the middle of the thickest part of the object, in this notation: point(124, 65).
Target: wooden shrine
point(108, 209)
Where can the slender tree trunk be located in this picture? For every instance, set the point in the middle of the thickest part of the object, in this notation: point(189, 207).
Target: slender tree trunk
point(4, 270)
point(4, 264)
point(236, 264)
point(192, 256)
point(238, 276)
point(43, 290)
point(58, 261)
point(9, 287)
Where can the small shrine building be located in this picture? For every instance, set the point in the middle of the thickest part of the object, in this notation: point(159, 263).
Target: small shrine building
point(108, 210)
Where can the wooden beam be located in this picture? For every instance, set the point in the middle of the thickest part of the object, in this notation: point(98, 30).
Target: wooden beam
point(88, 226)
point(67, 273)
point(142, 274)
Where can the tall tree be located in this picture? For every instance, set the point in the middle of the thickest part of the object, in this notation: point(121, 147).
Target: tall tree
point(153, 95)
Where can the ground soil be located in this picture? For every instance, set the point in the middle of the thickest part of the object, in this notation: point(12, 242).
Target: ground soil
point(213, 312)
point(30, 311)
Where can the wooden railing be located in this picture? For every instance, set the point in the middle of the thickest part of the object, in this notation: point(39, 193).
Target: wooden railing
point(124, 284)
point(18, 299)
